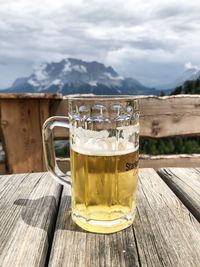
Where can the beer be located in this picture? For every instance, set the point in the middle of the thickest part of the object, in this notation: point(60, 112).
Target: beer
point(104, 189)
point(104, 143)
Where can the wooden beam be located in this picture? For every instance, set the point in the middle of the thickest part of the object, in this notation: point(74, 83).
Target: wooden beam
point(21, 127)
point(179, 160)
point(166, 116)
point(167, 234)
point(59, 108)
point(30, 95)
point(185, 183)
point(148, 161)
point(64, 164)
point(22, 116)
point(3, 168)
point(170, 116)
point(28, 212)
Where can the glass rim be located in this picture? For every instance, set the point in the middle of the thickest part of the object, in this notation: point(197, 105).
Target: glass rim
point(102, 97)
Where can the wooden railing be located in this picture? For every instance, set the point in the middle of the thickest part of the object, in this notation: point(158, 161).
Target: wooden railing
point(22, 116)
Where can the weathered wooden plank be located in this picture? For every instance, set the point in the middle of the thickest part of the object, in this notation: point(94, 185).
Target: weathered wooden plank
point(60, 108)
point(164, 234)
point(160, 116)
point(186, 185)
point(179, 160)
point(155, 162)
point(170, 116)
point(2, 168)
point(63, 164)
point(21, 116)
point(73, 246)
point(3, 165)
point(21, 124)
point(30, 95)
point(28, 210)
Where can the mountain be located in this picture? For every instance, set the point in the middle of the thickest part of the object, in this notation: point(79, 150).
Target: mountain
point(189, 87)
point(71, 76)
point(192, 73)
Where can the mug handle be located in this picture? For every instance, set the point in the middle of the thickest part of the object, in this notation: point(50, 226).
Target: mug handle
point(48, 147)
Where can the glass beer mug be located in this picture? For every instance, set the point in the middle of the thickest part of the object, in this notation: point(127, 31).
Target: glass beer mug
point(104, 142)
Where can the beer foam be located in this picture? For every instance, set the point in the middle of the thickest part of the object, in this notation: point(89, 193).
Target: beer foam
point(98, 143)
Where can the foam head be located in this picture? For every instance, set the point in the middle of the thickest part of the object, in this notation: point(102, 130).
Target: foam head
point(101, 143)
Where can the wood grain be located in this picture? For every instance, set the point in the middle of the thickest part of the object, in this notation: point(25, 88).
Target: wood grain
point(170, 116)
point(2, 168)
point(166, 116)
point(21, 125)
point(28, 210)
point(164, 234)
point(178, 160)
point(186, 185)
point(22, 116)
point(73, 246)
point(155, 162)
point(60, 108)
point(30, 95)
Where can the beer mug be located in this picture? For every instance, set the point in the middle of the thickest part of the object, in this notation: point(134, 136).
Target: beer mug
point(104, 142)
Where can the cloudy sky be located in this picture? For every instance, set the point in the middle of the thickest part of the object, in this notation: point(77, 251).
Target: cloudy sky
point(152, 41)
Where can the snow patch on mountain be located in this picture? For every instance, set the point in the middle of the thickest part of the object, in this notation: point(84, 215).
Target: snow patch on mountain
point(79, 68)
point(68, 67)
point(40, 73)
point(39, 77)
point(33, 83)
point(57, 82)
point(116, 78)
point(93, 83)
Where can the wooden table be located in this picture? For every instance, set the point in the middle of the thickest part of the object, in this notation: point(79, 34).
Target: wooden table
point(36, 228)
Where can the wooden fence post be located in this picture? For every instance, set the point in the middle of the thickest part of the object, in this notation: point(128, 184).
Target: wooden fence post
point(22, 117)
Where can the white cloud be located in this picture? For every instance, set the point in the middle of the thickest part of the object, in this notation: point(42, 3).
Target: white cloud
point(139, 38)
point(189, 65)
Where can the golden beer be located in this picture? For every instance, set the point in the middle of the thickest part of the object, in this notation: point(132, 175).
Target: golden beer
point(104, 190)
